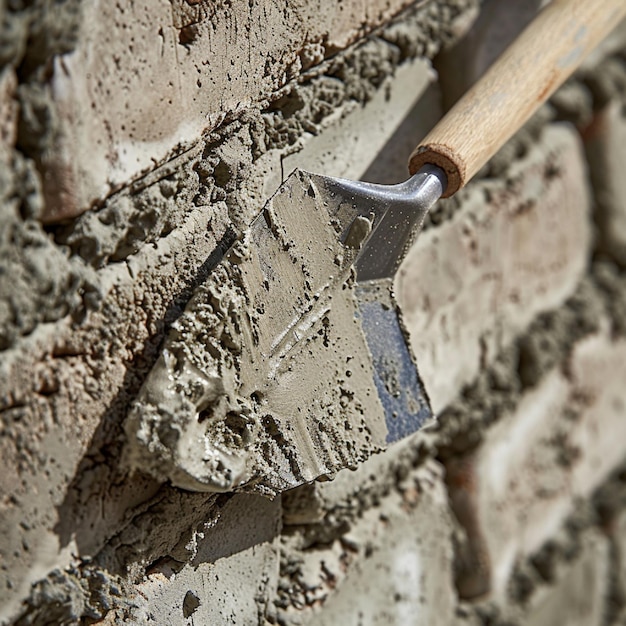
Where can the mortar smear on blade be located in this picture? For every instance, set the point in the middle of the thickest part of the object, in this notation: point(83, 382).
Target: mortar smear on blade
point(266, 380)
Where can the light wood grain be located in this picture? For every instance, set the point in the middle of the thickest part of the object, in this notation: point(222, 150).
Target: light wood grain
point(524, 77)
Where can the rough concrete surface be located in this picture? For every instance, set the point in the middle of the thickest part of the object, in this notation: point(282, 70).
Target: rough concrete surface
point(350, 579)
point(555, 442)
point(138, 142)
point(580, 592)
point(619, 554)
point(101, 92)
point(230, 166)
point(41, 396)
point(573, 589)
point(539, 394)
point(235, 549)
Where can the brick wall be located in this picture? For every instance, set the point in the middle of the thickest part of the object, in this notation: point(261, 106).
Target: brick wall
point(137, 143)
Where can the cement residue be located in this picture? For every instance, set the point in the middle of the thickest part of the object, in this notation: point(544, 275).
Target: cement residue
point(75, 384)
point(195, 380)
point(547, 343)
point(610, 505)
point(552, 334)
point(40, 282)
point(34, 34)
point(141, 214)
point(516, 148)
point(218, 548)
point(197, 530)
point(121, 339)
point(610, 499)
point(318, 520)
point(356, 74)
point(543, 566)
point(607, 81)
point(172, 544)
point(588, 91)
point(319, 560)
point(537, 575)
point(306, 582)
point(70, 597)
point(573, 103)
point(152, 208)
point(534, 572)
point(147, 216)
point(148, 210)
point(611, 281)
point(584, 101)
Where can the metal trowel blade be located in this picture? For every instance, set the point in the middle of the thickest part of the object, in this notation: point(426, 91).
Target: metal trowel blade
point(396, 377)
point(290, 362)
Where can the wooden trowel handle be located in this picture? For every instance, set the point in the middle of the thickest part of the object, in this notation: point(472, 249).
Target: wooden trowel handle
point(526, 74)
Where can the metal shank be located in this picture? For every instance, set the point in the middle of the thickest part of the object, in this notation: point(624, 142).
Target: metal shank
point(397, 213)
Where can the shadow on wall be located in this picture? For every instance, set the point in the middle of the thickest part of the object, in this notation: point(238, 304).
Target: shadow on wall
point(391, 164)
point(498, 25)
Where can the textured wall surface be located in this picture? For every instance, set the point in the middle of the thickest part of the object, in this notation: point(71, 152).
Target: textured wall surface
point(138, 142)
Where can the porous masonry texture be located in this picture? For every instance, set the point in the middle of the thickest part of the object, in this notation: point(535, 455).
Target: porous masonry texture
point(138, 142)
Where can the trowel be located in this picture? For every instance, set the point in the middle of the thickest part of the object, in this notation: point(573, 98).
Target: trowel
point(291, 362)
